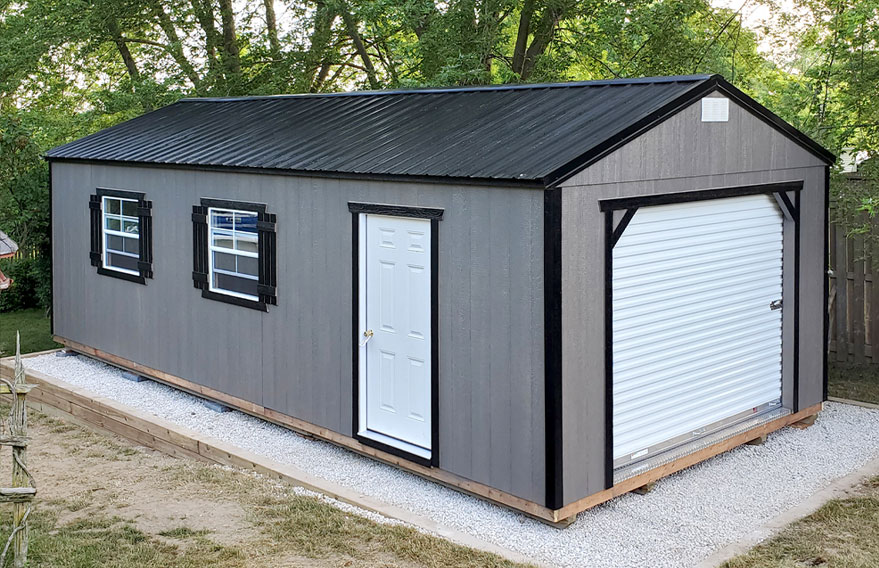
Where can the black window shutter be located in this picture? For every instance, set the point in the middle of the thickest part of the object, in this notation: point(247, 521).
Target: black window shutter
point(268, 258)
point(95, 220)
point(145, 216)
point(200, 247)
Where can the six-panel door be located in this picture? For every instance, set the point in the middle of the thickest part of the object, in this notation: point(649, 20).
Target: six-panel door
point(396, 332)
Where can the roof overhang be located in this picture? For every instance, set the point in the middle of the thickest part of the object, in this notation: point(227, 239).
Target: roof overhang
point(715, 83)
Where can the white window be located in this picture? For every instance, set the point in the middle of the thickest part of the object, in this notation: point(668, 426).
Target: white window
point(121, 234)
point(233, 257)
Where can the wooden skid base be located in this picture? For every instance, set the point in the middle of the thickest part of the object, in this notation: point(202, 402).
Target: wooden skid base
point(805, 422)
point(142, 429)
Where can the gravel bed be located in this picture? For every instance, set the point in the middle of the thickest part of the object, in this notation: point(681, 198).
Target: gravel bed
point(682, 521)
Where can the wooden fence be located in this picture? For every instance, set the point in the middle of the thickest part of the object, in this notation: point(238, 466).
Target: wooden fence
point(853, 301)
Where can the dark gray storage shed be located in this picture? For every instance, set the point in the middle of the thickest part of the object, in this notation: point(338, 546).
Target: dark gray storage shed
point(544, 295)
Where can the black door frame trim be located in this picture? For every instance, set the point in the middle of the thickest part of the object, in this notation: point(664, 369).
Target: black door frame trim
point(612, 235)
point(434, 215)
point(697, 195)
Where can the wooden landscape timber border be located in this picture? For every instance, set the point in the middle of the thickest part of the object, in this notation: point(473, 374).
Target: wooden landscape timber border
point(106, 414)
point(54, 397)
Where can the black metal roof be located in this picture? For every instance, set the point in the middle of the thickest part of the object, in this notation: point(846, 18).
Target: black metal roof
point(524, 133)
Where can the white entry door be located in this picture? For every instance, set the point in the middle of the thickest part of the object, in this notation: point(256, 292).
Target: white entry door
point(395, 367)
point(697, 291)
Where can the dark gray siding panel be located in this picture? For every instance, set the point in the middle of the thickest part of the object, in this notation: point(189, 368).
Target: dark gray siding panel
point(681, 154)
point(297, 357)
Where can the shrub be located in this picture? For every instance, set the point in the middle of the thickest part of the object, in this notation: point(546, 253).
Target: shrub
point(31, 287)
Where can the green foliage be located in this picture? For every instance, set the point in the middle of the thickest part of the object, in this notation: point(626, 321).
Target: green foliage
point(72, 67)
point(31, 287)
point(24, 199)
point(34, 328)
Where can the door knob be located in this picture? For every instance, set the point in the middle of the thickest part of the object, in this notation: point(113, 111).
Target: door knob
point(368, 335)
point(775, 305)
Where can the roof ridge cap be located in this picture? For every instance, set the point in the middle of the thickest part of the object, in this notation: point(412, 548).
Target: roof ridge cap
point(472, 89)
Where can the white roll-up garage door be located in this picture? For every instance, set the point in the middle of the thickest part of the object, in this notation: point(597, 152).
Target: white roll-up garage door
point(695, 342)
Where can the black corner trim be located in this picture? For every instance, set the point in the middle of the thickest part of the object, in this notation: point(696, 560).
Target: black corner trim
point(624, 222)
point(552, 322)
point(796, 370)
point(826, 276)
point(608, 347)
point(51, 259)
point(357, 209)
point(697, 195)
point(396, 210)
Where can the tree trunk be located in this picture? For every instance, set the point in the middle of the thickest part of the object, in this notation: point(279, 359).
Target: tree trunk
point(351, 27)
point(175, 47)
point(231, 54)
point(127, 58)
point(316, 61)
point(543, 35)
point(205, 16)
point(522, 36)
point(272, 29)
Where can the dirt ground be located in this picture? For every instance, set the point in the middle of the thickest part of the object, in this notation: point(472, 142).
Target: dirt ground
point(103, 502)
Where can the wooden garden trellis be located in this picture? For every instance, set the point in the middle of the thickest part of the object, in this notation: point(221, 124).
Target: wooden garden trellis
point(13, 432)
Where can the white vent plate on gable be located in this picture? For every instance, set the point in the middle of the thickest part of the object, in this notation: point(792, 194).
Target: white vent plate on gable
point(715, 109)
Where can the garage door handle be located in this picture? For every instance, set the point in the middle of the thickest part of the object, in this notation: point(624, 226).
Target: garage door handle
point(775, 305)
point(368, 335)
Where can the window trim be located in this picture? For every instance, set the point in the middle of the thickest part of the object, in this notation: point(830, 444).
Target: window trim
point(233, 251)
point(139, 198)
point(105, 249)
point(207, 292)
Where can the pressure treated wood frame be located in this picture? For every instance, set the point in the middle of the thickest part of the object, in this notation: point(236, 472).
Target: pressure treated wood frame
point(557, 517)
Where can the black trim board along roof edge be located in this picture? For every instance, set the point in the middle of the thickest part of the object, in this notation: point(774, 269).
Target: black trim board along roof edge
point(699, 90)
point(512, 183)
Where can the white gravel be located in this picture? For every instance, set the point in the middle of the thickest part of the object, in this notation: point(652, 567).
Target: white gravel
point(687, 517)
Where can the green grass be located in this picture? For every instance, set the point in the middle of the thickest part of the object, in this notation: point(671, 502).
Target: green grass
point(100, 540)
point(92, 528)
point(859, 382)
point(844, 533)
point(34, 327)
point(182, 533)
